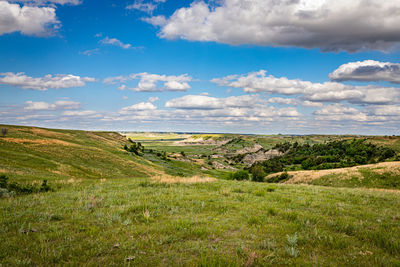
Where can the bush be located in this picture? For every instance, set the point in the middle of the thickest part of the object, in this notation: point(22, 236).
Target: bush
point(44, 187)
point(3, 181)
point(241, 175)
point(279, 178)
point(257, 173)
point(13, 187)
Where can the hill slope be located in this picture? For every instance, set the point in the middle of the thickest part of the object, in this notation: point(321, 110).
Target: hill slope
point(29, 153)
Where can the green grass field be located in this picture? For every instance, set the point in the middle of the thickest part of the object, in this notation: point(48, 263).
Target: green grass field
point(105, 209)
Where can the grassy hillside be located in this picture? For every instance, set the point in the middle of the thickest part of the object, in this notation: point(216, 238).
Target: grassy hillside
point(29, 153)
point(107, 208)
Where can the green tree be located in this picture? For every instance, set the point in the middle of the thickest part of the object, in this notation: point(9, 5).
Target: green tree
point(257, 173)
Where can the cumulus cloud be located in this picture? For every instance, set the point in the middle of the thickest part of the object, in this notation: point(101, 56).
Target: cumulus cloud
point(329, 25)
point(338, 112)
point(84, 113)
point(115, 42)
point(148, 82)
point(315, 92)
point(281, 100)
point(207, 102)
point(367, 71)
point(389, 110)
point(58, 105)
point(138, 107)
point(43, 83)
point(28, 20)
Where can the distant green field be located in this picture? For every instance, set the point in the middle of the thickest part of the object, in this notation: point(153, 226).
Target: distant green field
point(106, 209)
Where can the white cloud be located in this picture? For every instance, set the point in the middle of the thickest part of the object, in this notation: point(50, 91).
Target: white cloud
point(389, 110)
point(153, 99)
point(147, 7)
point(326, 24)
point(367, 71)
point(62, 104)
point(43, 2)
point(115, 42)
point(338, 112)
point(281, 100)
point(90, 52)
point(84, 113)
point(43, 83)
point(28, 20)
point(138, 107)
point(148, 82)
point(322, 92)
point(307, 103)
point(207, 102)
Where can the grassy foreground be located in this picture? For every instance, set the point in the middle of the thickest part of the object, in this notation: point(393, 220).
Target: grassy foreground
point(224, 223)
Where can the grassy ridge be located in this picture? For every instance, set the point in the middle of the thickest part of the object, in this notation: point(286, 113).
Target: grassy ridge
point(29, 153)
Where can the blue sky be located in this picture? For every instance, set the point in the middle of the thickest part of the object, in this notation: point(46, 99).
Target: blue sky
point(216, 66)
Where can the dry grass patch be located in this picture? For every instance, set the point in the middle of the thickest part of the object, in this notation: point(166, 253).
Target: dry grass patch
point(169, 179)
point(38, 141)
point(47, 133)
point(343, 173)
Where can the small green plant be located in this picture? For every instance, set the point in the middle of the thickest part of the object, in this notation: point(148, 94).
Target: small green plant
point(291, 249)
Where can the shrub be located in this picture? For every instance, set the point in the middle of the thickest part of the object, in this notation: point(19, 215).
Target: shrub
point(279, 178)
point(3, 181)
point(4, 131)
point(241, 175)
point(257, 173)
point(13, 187)
point(44, 187)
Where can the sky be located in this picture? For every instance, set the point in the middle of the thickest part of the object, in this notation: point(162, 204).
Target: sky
point(220, 66)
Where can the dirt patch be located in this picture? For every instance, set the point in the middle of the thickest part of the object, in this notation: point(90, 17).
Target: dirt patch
point(169, 179)
point(11, 171)
point(247, 150)
point(261, 155)
point(201, 142)
point(38, 141)
point(343, 173)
